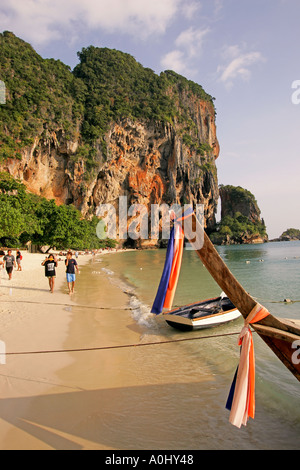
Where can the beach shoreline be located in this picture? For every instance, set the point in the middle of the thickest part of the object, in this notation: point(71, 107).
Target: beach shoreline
point(38, 384)
point(73, 399)
point(32, 319)
point(91, 388)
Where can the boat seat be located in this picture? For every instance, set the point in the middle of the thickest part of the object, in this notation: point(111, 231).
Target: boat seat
point(205, 311)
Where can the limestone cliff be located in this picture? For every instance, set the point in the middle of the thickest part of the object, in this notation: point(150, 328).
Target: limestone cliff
point(160, 147)
point(150, 164)
point(239, 200)
point(241, 220)
point(147, 162)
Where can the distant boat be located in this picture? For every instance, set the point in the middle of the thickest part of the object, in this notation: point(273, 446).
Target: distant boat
point(204, 314)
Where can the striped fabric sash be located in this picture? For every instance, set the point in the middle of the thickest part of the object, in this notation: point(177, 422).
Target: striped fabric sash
point(169, 279)
point(241, 399)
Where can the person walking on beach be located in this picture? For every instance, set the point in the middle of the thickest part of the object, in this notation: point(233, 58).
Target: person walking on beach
point(10, 263)
point(19, 259)
point(1, 263)
point(50, 264)
point(71, 265)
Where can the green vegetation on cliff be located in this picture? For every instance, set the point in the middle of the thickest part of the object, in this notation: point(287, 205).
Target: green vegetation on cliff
point(117, 87)
point(26, 217)
point(44, 95)
point(237, 229)
point(290, 234)
point(240, 221)
point(40, 96)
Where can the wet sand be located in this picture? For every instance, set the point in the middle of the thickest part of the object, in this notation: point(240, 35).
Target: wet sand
point(166, 397)
point(31, 319)
point(88, 399)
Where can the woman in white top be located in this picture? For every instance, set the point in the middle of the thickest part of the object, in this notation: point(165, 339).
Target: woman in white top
point(1, 263)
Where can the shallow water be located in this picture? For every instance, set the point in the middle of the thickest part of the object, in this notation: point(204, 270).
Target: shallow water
point(126, 383)
point(172, 396)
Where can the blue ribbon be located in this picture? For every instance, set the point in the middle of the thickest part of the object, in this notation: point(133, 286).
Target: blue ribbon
point(158, 304)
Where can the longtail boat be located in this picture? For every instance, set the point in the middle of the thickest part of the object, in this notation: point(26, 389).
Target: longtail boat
point(281, 335)
point(205, 314)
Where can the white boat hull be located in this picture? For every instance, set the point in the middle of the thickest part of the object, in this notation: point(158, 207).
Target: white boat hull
point(205, 314)
point(201, 323)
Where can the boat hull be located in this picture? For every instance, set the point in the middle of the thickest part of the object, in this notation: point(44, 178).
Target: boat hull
point(202, 315)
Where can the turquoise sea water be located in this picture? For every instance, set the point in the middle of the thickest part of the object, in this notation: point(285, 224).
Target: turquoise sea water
point(270, 273)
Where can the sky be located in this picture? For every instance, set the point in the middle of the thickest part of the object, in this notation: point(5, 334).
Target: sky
point(245, 53)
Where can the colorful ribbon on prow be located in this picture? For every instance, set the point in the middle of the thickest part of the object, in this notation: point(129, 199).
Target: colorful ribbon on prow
point(169, 279)
point(241, 399)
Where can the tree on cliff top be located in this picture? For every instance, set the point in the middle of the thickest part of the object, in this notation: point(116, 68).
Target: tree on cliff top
point(40, 96)
point(291, 233)
point(118, 86)
point(44, 96)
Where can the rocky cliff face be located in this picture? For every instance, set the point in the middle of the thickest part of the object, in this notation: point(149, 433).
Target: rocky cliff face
point(238, 200)
point(241, 220)
point(150, 160)
point(147, 162)
point(46, 168)
point(150, 164)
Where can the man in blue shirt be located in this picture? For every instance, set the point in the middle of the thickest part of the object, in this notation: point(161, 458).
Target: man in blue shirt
point(71, 265)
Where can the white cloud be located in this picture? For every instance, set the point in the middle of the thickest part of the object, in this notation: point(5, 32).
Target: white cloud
point(41, 21)
point(174, 60)
point(191, 40)
point(190, 8)
point(189, 45)
point(238, 64)
point(218, 5)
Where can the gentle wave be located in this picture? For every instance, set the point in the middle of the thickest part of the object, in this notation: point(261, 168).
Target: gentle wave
point(141, 313)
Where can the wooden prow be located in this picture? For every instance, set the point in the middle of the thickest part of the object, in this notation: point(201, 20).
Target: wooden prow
point(279, 334)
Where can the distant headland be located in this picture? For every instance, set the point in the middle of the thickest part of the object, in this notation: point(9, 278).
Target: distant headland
point(291, 234)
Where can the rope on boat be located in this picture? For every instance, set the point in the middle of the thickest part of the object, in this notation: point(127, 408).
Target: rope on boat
point(92, 307)
point(122, 346)
point(65, 305)
point(285, 301)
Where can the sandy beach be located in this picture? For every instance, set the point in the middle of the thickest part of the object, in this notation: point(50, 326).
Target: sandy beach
point(80, 382)
point(62, 400)
point(31, 319)
point(92, 399)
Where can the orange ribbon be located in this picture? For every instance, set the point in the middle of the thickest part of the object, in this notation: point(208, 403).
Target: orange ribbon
point(243, 404)
point(176, 266)
point(177, 260)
